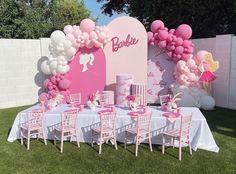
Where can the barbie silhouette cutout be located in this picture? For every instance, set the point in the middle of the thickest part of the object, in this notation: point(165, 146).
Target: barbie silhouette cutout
point(85, 59)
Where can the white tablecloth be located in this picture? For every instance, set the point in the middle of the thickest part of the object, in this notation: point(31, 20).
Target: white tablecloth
point(200, 134)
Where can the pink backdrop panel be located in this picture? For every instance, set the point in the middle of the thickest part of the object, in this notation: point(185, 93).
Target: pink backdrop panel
point(160, 74)
point(127, 51)
point(87, 72)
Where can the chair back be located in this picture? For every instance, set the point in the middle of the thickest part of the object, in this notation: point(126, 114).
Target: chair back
point(75, 98)
point(35, 117)
point(69, 118)
point(185, 125)
point(164, 99)
point(143, 121)
point(108, 119)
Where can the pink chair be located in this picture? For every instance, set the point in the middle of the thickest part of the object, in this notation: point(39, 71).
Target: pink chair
point(106, 130)
point(33, 126)
point(182, 134)
point(67, 127)
point(141, 131)
point(75, 99)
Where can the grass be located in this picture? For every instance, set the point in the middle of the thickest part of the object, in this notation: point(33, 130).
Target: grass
point(14, 158)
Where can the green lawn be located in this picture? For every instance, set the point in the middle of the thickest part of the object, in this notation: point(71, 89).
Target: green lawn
point(14, 158)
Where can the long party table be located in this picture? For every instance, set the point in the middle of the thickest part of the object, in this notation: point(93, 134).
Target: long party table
point(200, 134)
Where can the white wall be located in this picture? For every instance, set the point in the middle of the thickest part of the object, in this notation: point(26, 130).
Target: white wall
point(21, 80)
point(19, 77)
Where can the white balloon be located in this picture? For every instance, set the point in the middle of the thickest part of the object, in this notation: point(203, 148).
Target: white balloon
point(53, 65)
point(71, 52)
point(45, 67)
point(57, 37)
point(188, 100)
point(63, 69)
point(207, 102)
point(67, 44)
point(183, 89)
point(195, 92)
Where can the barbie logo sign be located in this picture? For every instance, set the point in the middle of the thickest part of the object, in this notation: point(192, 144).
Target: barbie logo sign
point(117, 43)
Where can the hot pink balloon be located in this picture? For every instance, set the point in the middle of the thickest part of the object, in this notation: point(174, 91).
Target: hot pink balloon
point(162, 44)
point(185, 56)
point(87, 25)
point(149, 36)
point(184, 31)
point(54, 80)
point(179, 50)
point(64, 84)
point(163, 34)
point(45, 83)
point(156, 25)
point(179, 41)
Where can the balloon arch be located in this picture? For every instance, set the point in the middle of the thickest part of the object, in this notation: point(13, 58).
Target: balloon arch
point(192, 72)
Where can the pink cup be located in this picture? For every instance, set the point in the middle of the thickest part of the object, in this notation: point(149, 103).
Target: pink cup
point(81, 107)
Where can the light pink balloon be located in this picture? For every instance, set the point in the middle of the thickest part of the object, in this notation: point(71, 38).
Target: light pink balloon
point(200, 56)
point(191, 63)
point(87, 25)
point(162, 34)
point(191, 76)
point(179, 50)
point(184, 31)
point(181, 63)
point(64, 84)
point(77, 32)
point(70, 37)
point(102, 36)
point(68, 29)
point(86, 36)
point(156, 25)
point(89, 44)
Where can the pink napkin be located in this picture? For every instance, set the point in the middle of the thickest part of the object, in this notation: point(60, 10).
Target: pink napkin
point(171, 116)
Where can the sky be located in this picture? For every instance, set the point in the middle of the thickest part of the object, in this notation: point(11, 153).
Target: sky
point(94, 7)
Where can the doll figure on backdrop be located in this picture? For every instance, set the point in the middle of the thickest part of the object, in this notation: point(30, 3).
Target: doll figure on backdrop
point(207, 67)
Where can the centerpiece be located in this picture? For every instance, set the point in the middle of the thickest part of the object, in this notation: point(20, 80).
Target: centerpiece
point(94, 100)
point(133, 102)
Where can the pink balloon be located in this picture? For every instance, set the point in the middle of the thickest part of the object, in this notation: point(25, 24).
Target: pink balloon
point(179, 50)
point(187, 43)
point(54, 80)
point(181, 63)
point(190, 50)
point(191, 63)
point(200, 56)
point(89, 44)
point(43, 97)
point(192, 76)
point(102, 36)
point(64, 84)
point(149, 36)
point(163, 34)
point(185, 56)
point(162, 44)
point(156, 25)
point(68, 29)
point(70, 37)
point(172, 31)
point(87, 25)
point(179, 41)
point(77, 32)
point(45, 83)
point(184, 31)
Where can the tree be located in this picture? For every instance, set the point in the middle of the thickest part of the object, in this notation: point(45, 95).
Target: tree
point(32, 19)
point(206, 17)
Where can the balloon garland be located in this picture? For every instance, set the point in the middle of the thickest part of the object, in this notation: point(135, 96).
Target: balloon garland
point(62, 49)
point(193, 73)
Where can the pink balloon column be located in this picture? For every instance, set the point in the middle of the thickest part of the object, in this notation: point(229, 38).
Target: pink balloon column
point(176, 43)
